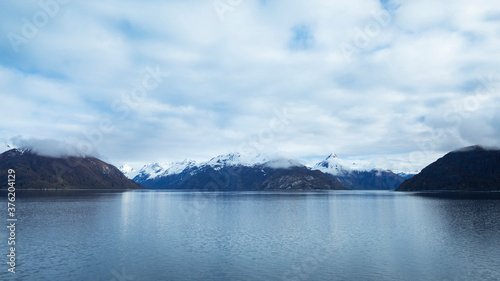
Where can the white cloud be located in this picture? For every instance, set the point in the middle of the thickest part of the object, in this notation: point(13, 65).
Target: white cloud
point(228, 77)
point(49, 147)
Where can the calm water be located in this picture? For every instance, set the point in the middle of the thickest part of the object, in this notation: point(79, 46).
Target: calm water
point(337, 235)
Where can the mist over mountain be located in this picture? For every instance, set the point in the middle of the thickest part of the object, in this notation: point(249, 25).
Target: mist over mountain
point(34, 171)
point(469, 168)
point(54, 148)
point(359, 177)
point(234, 172)
point(251, 172)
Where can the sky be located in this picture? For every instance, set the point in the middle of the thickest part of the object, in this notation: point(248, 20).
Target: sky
point(399, 83)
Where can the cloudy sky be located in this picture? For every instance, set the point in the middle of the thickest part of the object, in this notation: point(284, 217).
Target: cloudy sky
point(400, 83)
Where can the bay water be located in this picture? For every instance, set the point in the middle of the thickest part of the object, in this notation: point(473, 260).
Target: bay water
point(317, 235)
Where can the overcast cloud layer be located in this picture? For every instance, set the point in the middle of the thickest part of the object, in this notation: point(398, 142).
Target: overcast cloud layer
point(399, 83)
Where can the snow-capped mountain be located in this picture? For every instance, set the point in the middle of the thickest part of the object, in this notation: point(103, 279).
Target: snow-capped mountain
point(406, 175)
point(248, 171)
point(332, 165)
point(359, 174)
point(236, 159)
point(154, 170)
point(128, 171)
point(157, 169)
point(235, 171)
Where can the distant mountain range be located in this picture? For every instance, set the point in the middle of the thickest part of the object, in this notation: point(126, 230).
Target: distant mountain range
point(472, 168)
point(225, 172)
point(355, 177)
point(41, 172)
point(235, 172)
point(263, 172)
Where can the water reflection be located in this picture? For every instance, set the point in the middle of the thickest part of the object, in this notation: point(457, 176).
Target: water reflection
point(325, 235)
point(459, 195)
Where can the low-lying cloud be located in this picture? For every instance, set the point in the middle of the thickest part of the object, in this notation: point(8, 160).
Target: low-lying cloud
point(418, 80)
point(48, 147)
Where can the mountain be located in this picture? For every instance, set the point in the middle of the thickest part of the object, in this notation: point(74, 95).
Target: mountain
point(406, 175)
point(234, 172)
point(42, 172)
point(358, 177)
point(473, 168)
point(128, 171)
point(152, 171)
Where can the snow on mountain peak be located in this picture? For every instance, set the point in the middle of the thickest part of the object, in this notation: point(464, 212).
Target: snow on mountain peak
point(178, 167)
point(337, 166)
point(272, 160)
point(157, 169)
point(128, 171)
point(126, 168)
point(231, 159)
point(283, 163)
point(332, 156)
point(333, 165)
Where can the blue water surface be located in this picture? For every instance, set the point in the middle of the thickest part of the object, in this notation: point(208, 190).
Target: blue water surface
point(324, 235)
